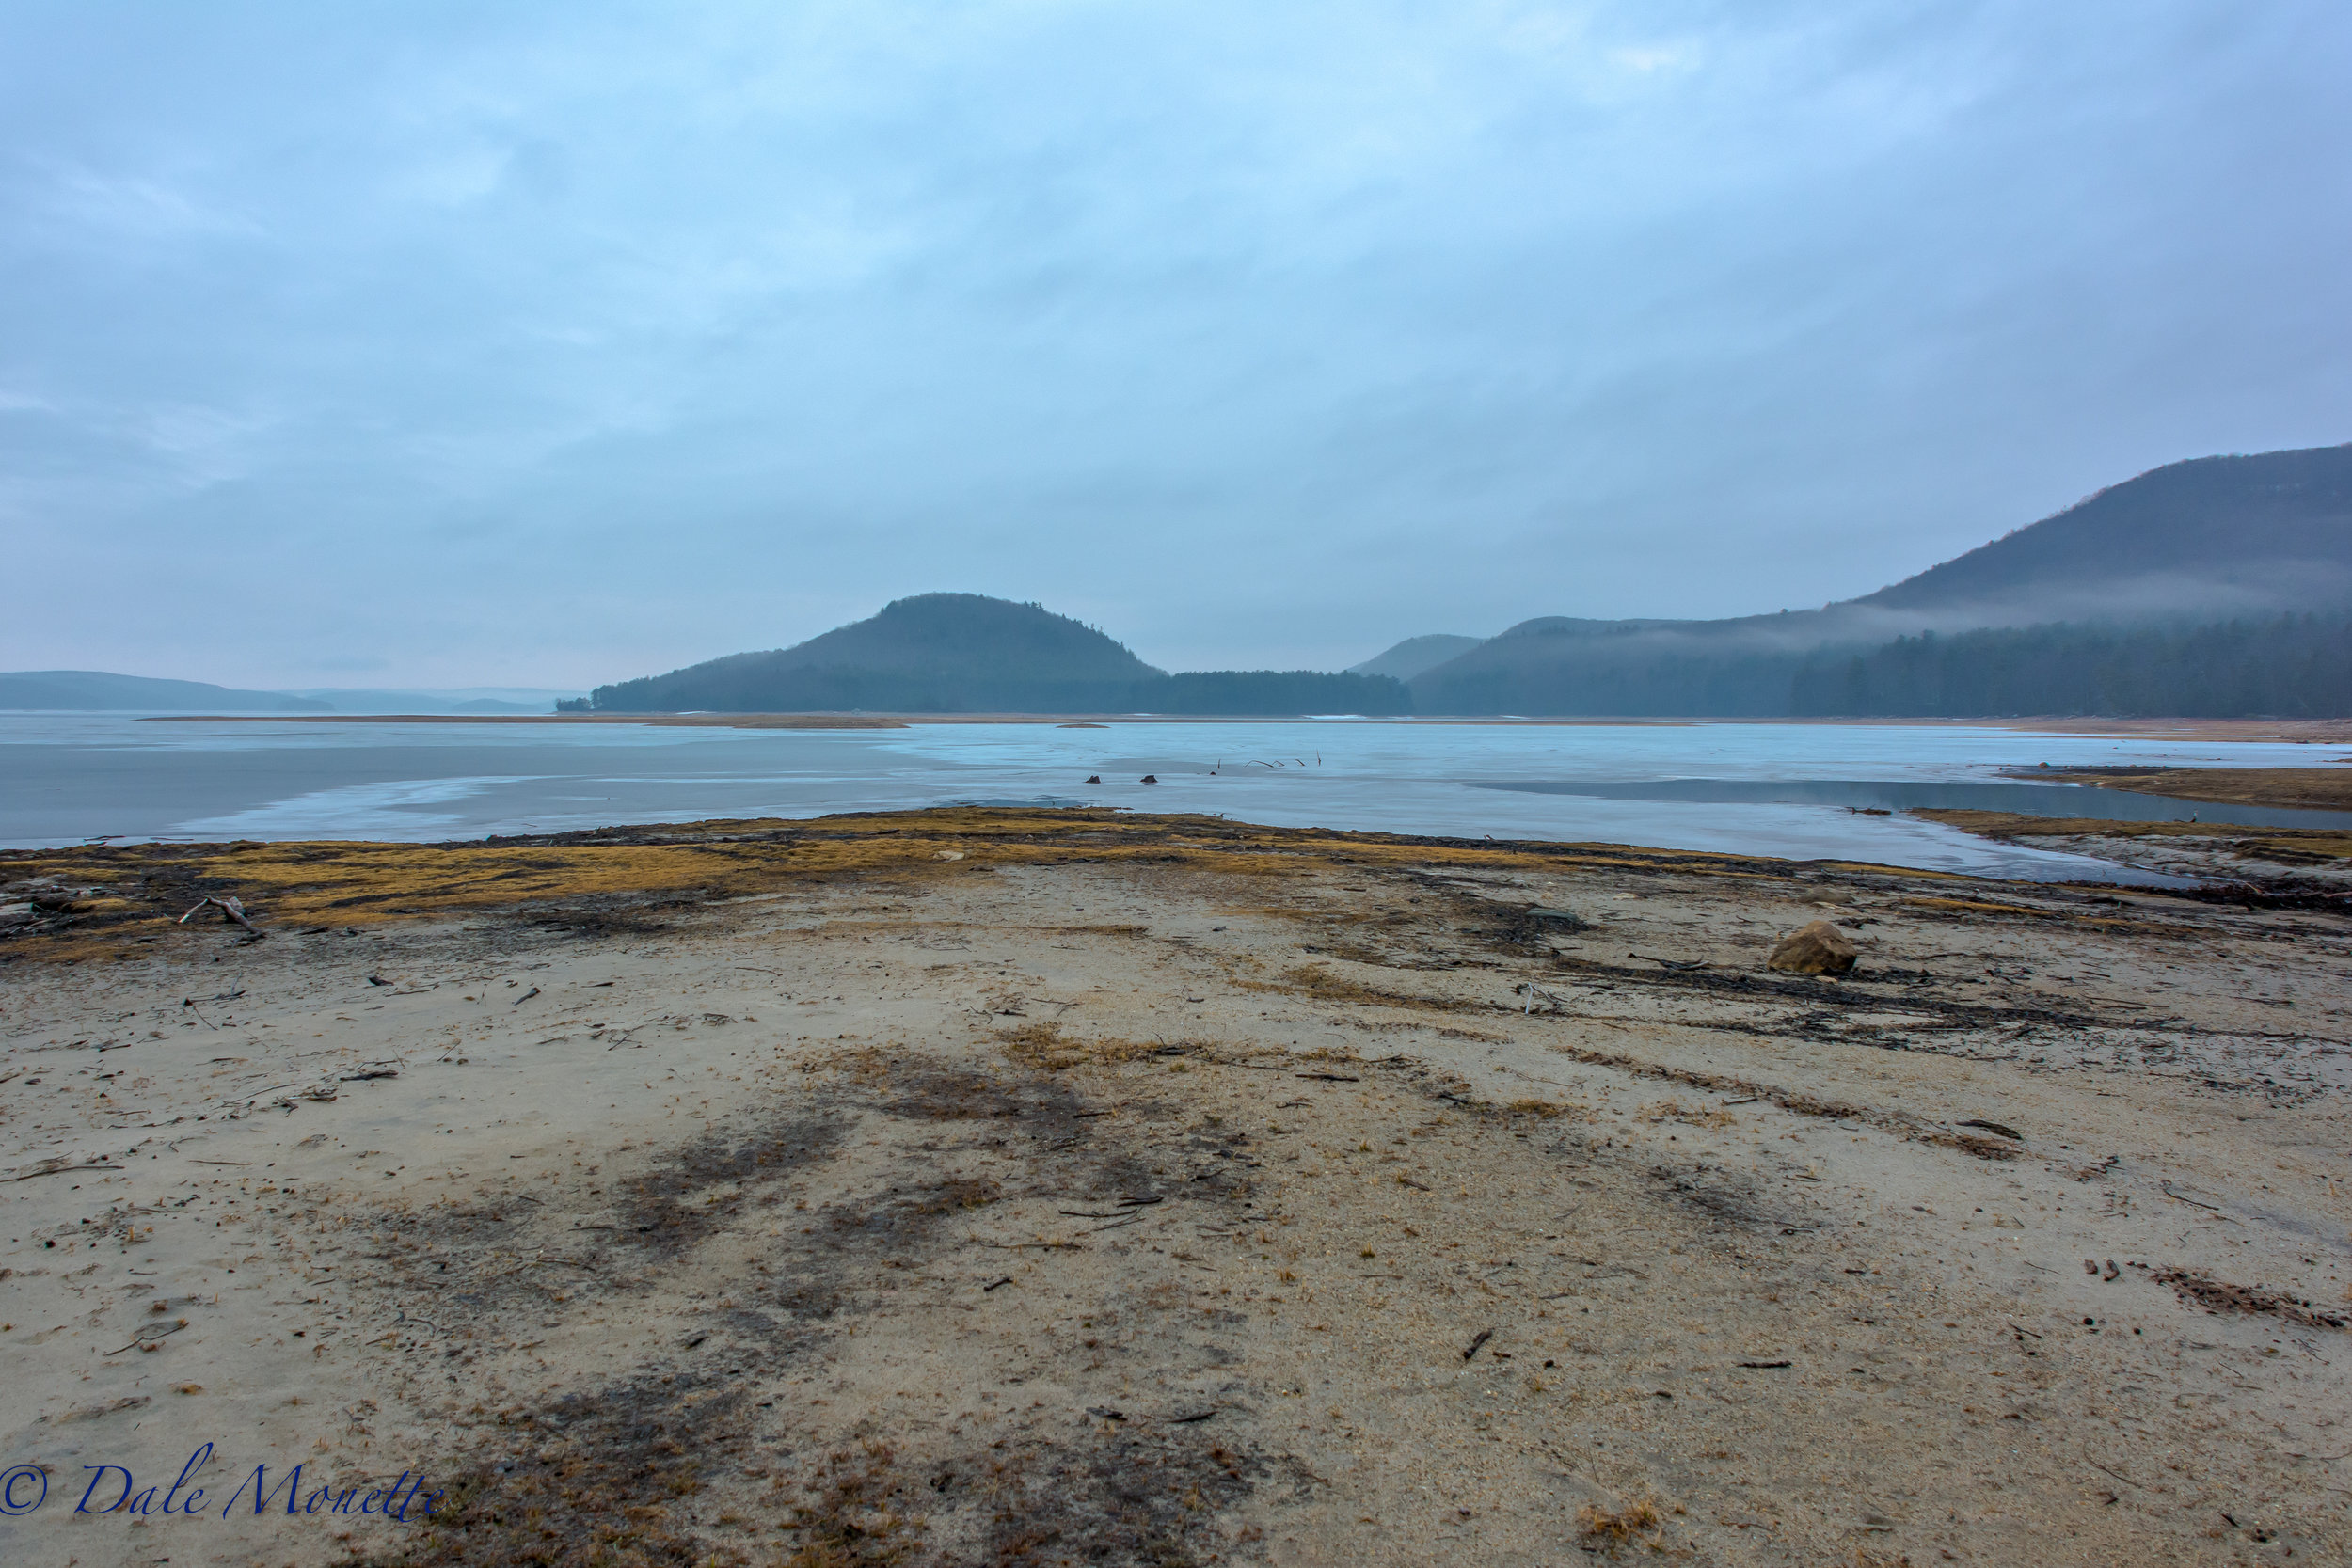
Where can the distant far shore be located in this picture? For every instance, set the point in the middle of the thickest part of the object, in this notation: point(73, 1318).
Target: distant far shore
point(2308, 732)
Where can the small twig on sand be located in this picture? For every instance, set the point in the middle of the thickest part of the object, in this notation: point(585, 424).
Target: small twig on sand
point(2116, 1474)
point(1484, 1334)
point(56, 1170)
point(1024, 1246)
point(150, 1335)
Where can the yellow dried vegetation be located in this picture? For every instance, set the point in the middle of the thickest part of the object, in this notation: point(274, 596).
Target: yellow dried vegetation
point(1674, 1110)
point(1549, 1110)
point(1619, 1525)
point(1046, 1048)
point(2289, 846)
point(142, 889)
point(1316, 981)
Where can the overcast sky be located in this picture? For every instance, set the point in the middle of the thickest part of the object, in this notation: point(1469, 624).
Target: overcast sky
point(455, 344)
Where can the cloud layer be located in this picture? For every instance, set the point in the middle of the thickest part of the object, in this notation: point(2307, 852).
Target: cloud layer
point(555, 345)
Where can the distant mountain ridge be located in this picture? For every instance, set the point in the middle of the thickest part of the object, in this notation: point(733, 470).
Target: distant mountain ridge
point(1416, 654)
point(104, 691)
point(98, 692)
point(2191, 543)
point(462, 699)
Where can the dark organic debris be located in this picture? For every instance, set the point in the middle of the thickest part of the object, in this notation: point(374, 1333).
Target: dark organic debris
point(2219, 1295)
point(592, 1479)
point(2009, 1133)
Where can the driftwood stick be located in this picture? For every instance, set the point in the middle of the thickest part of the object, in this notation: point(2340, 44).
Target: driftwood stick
point(230, 907)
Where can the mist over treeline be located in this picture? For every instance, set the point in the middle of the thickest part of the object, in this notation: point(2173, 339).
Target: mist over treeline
point(2291, 666)
point(2282, 667)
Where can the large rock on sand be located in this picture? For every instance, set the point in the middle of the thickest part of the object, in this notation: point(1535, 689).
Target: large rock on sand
point(1819, 948)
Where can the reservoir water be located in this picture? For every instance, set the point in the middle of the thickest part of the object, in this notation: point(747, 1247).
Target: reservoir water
point(1769, 789)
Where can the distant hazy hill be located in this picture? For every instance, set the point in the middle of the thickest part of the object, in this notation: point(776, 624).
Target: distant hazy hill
point(477, 699)
point(2196, 543)
point(96, 690)
point(935, 653)
point(1415, 654)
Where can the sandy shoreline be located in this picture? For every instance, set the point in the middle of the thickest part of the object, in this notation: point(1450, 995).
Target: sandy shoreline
point(1028, 1187)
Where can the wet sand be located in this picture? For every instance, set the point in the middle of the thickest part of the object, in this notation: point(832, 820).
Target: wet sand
point(1039, 1187)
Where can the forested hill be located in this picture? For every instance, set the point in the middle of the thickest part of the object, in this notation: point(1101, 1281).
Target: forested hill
point(2272, 531)
point(961, 653)
point(935, 653)
point(2207, 542)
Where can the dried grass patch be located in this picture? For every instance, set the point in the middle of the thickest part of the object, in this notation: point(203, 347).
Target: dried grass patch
point(1674, 1110)
point(1318, 982)
point(1621, 1525)
point(1550, 1110)
point(1045, 1048)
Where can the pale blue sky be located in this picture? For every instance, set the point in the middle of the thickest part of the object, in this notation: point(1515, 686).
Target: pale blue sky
point(553, 344)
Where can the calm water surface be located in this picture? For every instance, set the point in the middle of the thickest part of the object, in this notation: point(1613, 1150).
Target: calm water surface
point(1773, 789)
